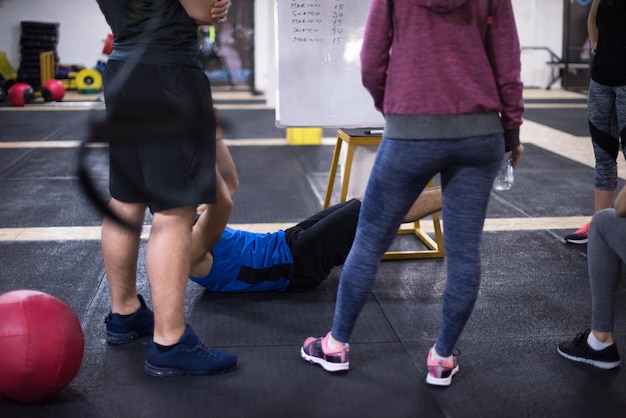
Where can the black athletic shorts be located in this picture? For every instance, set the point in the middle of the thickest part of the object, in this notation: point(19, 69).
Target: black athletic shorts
point(162, 147)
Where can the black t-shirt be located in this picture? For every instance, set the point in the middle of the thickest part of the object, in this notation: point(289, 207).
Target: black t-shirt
point(609, 64)
point(152, 31)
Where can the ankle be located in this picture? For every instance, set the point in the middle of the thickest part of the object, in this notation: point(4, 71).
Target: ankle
point(435, 355)
point(604, 337)
point(127, 307)
point(166, 348)
point(597, 344)
point(332, 343)
point(169, 337)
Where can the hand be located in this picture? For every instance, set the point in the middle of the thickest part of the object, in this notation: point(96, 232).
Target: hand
point(219, 11)
point(516, 154)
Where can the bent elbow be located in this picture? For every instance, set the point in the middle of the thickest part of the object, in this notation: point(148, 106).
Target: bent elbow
point(202, 19)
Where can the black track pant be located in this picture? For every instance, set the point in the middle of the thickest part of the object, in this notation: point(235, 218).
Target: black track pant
point(320, 243)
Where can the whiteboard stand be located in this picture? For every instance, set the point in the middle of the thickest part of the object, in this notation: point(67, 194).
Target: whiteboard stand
point(353, 139)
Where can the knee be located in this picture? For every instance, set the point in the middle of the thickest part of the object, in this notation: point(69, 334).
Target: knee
point(133, 213)
point(602, 221)
point(177, 216)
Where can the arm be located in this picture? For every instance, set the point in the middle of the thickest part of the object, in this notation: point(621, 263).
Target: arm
point(516, 154)
point(225, 164)
point(504, 52)
point(592, 27)
point(208, 230)
point(375, 51)
point(207, 12)
point(620, 203)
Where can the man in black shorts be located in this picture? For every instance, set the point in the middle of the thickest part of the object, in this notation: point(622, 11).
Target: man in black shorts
point(159, 103)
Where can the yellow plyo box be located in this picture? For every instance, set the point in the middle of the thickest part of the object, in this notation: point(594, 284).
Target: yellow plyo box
point(304, 136)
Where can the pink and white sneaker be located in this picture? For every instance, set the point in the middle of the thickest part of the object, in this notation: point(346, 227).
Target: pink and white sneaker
point(316, 351)
point(440, 371)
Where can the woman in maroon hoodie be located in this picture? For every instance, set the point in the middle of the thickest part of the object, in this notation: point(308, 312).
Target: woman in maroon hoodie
point(446, 76)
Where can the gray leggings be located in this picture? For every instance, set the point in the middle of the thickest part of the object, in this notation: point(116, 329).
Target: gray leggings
point(606, 251)
point(607, 122)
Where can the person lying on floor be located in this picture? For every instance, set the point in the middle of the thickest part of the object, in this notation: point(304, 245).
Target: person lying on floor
point(294, 260)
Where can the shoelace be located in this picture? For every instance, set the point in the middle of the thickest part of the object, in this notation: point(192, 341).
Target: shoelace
point(203, 350)
point(584, 230)
point(580, 337)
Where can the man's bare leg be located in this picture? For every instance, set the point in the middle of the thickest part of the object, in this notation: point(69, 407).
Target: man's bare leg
point(427, 203)
point(168, 262)
point(120, 249)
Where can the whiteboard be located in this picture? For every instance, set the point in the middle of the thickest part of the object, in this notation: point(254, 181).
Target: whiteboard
point(319, 72)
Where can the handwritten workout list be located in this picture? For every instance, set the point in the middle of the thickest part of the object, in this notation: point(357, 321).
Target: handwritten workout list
point(319, 80)
point(308, 21)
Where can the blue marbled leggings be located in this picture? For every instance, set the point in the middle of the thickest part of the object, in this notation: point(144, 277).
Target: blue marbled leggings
point(402, 169)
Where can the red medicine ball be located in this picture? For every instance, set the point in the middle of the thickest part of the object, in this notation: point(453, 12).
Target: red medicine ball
point(21, 94)
point(41, 345)
point(53, 90)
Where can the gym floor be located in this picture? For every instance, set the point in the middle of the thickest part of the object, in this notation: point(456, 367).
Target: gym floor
point(534, 294)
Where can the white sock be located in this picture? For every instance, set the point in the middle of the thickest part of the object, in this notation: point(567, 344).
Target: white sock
point(595, 344)
point(436, 355)
point(332, 345)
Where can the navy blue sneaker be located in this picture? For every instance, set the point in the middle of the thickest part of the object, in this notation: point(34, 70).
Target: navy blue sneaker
point(189, 356)
point(124, 329)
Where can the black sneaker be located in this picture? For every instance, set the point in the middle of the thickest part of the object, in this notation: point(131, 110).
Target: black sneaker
point(580, 236)
point(124, 329)
point(579, 350)
point(189, 356)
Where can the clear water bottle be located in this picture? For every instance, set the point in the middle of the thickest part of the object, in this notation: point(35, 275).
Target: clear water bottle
point(504, 179)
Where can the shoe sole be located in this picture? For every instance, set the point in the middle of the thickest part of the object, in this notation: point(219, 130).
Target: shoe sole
point(328, 366)
point(600, 364)
point(577, 241)
point(443, 381)
point(115, 338)
point(155, 371)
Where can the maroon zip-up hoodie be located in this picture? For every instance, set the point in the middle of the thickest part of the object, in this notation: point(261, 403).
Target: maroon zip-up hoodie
point(444, 57)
